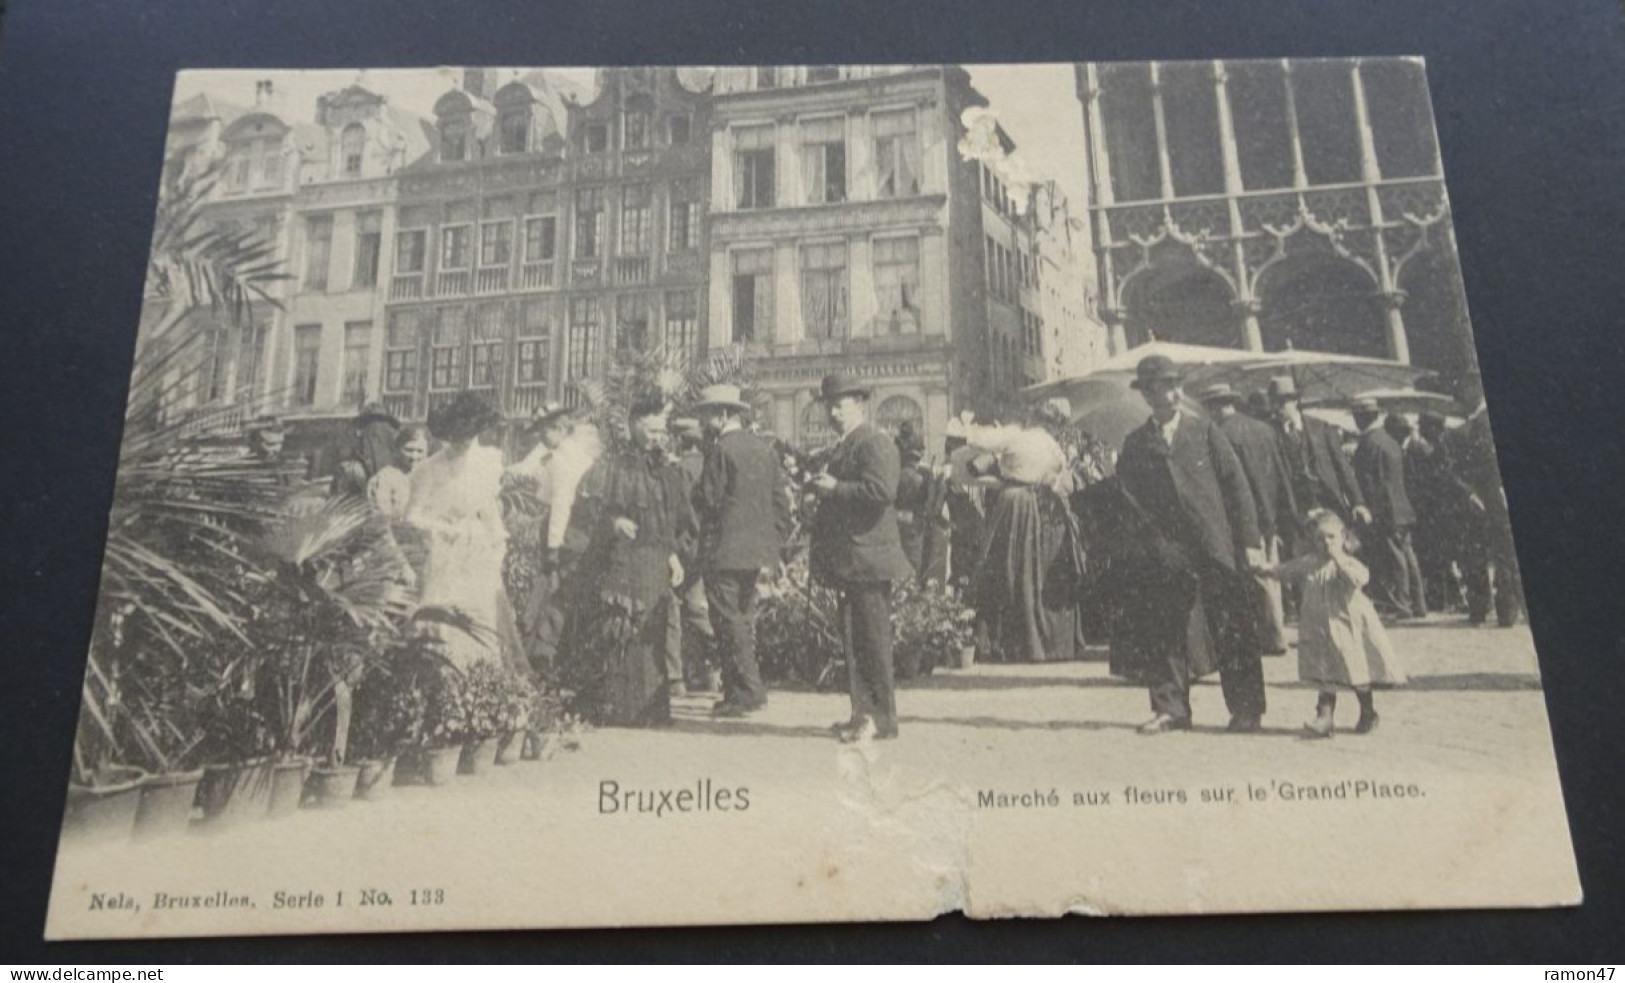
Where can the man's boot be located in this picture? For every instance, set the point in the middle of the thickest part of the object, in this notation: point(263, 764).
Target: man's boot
point(1325, 708)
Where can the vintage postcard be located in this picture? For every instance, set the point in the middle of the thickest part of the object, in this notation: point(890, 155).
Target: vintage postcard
point(783, 493)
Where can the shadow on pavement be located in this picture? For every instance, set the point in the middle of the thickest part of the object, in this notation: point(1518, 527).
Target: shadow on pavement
point(957, 681)
point(1493, 681)
point(743, 728)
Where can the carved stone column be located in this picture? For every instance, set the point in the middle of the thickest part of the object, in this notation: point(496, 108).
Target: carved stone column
point(1252, 336)
point(1399, 346)
point(1116, 319)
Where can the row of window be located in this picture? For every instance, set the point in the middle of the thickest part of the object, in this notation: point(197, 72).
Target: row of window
point(824, 282)
point(1032, 335)
point(456, 346)
point(491, 243)
point(319, 251)
point(822, 144)
point(307, 351)
point(1277, 116)
point(1007, 271)
point(997, 193)
point(516, 127)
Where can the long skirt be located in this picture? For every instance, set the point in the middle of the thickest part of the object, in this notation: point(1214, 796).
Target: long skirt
point(613, 662)
point(1025, 589)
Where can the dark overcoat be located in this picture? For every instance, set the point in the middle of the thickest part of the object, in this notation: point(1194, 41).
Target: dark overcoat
point(1322, 476)
point(1379, 466)
point(854, 530)
point(1262, 461)
point(1194, 491)
point(744, 512)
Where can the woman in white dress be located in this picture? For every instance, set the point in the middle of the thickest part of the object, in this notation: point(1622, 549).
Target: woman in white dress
point(456, 505)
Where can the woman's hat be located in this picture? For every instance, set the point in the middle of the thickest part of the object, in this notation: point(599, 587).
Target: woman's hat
point(722, 394)
point(464, 418)
point(838, 384)
point(546, 415)
point(1155, 368)
point(374, 412)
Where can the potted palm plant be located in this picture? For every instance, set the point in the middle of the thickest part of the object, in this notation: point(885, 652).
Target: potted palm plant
point(335, 590)
point(182, 507)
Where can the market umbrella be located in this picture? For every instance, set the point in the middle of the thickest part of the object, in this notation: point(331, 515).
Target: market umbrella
point(1407, 401)
point(1321, 377)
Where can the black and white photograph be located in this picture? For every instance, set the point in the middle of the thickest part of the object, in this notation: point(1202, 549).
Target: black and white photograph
point(652, 495)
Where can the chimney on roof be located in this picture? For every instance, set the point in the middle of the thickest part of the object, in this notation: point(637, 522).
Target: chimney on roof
point(264, 89)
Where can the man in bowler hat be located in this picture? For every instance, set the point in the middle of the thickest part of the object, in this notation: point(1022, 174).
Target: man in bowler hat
point(1202, 526)
point(855, 549)
point(744, 519)
point(1321, 474)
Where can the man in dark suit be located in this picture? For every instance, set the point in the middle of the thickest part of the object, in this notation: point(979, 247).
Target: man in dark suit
point(1379, 466)
point(855, 549)
point(1440, 507)
point(1490, 564)
point(1259, 450)
point(1182, 474)
point(1321, 475)
point(744, 518)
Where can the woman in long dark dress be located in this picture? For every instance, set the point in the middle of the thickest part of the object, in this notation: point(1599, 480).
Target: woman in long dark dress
point(634, 506)
point(1025, 589)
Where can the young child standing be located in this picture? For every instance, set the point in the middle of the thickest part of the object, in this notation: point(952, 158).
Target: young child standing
point(1341, 642)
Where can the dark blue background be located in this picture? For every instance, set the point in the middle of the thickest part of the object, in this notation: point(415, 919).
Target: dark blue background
point(1530, 100)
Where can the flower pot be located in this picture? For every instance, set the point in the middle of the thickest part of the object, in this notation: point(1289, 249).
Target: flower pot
point(375, 777)
point(234, 793)
point(331, 788)
point(966, 657)
point(428, 766)
point(105, 811)
point(166, 803)
point(287, 786)
point(509, 746)
point(478, 757)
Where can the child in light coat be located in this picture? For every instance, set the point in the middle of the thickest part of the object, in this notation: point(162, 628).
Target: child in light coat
point(1341, 641)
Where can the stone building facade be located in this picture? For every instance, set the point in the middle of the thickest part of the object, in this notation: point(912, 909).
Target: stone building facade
point(1268, 204)
point(823, 218)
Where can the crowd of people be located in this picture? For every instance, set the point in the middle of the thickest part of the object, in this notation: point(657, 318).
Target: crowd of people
point(1188, 550)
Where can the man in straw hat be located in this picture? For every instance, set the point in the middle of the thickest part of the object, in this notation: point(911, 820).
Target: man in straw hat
point(744, 519)
point(855, 549)
point(1185, 478)
point(1259, 450)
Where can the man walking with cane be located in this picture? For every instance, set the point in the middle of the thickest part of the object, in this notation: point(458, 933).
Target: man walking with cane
point(855, 549)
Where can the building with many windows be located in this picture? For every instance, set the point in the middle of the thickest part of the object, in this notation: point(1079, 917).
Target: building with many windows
point(543, 234)
point(1273, 204)
point(320, 195)
point(849, 232)
point(822, 217)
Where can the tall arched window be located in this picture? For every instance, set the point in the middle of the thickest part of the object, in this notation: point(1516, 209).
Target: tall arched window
point(352, 144)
